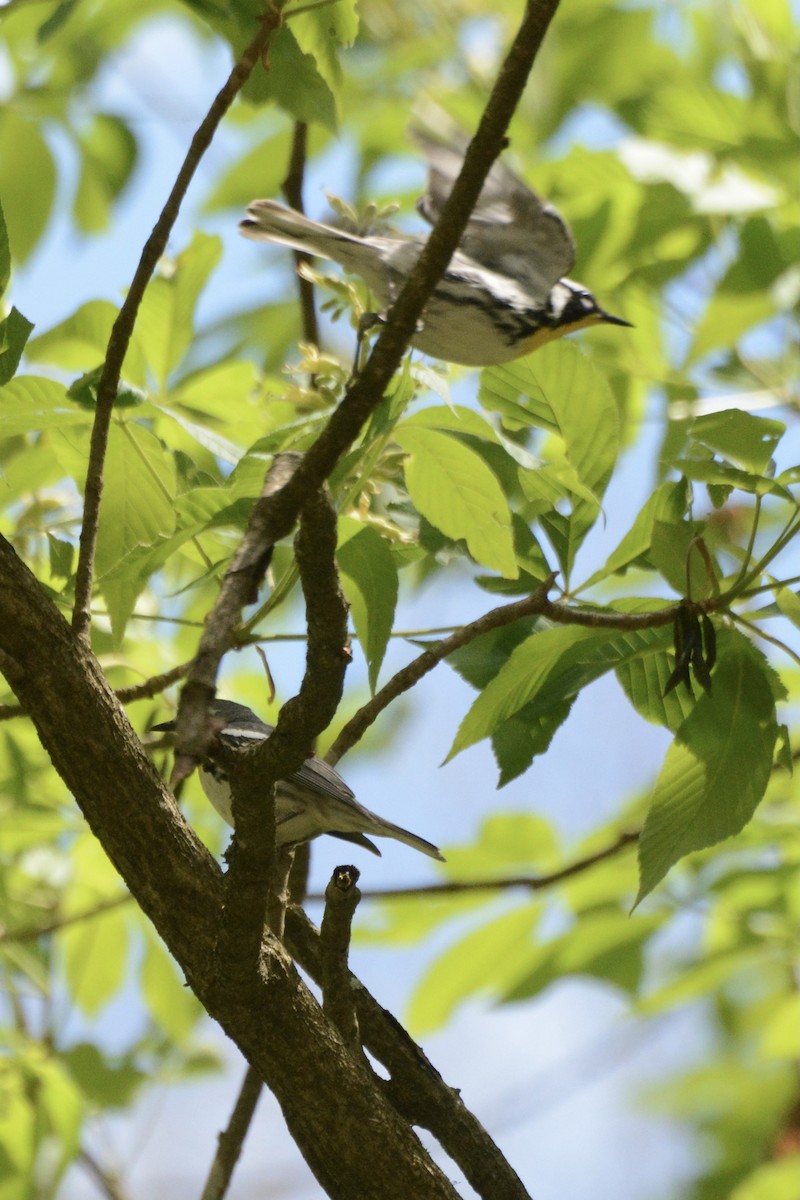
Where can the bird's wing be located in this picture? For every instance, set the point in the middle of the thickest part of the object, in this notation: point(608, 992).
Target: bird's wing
point(511, 230)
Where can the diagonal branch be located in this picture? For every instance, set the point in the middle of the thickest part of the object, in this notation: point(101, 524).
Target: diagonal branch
point(411, 674)
point(274, 517)
point(123, 325)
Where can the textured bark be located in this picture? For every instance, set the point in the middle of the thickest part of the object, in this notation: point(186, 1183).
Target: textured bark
point(352, 1138)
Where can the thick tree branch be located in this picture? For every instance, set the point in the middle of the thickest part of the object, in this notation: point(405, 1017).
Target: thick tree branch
point(415, 1088)
point(278, 1025)
point(123, 325)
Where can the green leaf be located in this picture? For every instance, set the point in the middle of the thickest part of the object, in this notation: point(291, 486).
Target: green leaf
point(667, 503)
point(527, 734)
point(677, 557)
point(748, 441)
point(558, 389)
point(771, 1181)
point(27, 180)
point(171, 1004)
point(717, 769)
point(561, 390)
point(369, 580)
point(607, 945)
point(294, 82)
point(165, 324)
point(61, 557)
point(14, 333)
point(644, 681)
point(108, 158)
point(104, 1084)
point(780, 1037)
point(79, 343)
point(29, 404)
point(453, 488)
point(5, 254)
point(138, 504)
point(261, 172)
point(550, 666)
point(480, 964)
point(95, 955)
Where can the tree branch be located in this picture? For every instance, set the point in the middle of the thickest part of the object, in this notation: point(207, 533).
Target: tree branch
point(231, 1140)
point(411, 674)
point(123, 325)
point(415, 1088)
point(532, 883)
point(293, 191)
point(341, 900)
point(274, 517)
point(277, 1023)
point(253, 874)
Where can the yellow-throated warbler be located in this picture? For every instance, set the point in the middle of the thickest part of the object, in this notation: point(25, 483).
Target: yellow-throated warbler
point(504, 292)
point(312, 801)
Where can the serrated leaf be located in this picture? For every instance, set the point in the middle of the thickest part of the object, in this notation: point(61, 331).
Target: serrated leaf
point(560, 390)
point(524, 736)
point(369, 580)
point(667, 503)
point(551, 667)
point(717, 769)
point(563, 391)
point(454, 489)
point(138, 498)
point(644, 681)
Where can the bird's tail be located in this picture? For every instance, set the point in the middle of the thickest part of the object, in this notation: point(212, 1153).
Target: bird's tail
point(269, 221)
point(389, 829)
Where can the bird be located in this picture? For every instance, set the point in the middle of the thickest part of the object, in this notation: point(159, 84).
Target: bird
point(506, 290)
point(314, 800)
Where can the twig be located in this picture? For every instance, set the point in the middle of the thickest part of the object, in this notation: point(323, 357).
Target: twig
point(341, 900)
point(533, 883)
point(411, 674)
point(29, 933)
point(293, 191)
point(123, 325)
point(106, 1180)
point(231, 1140)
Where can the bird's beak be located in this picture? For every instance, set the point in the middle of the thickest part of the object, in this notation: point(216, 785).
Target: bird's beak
point(608, 319)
